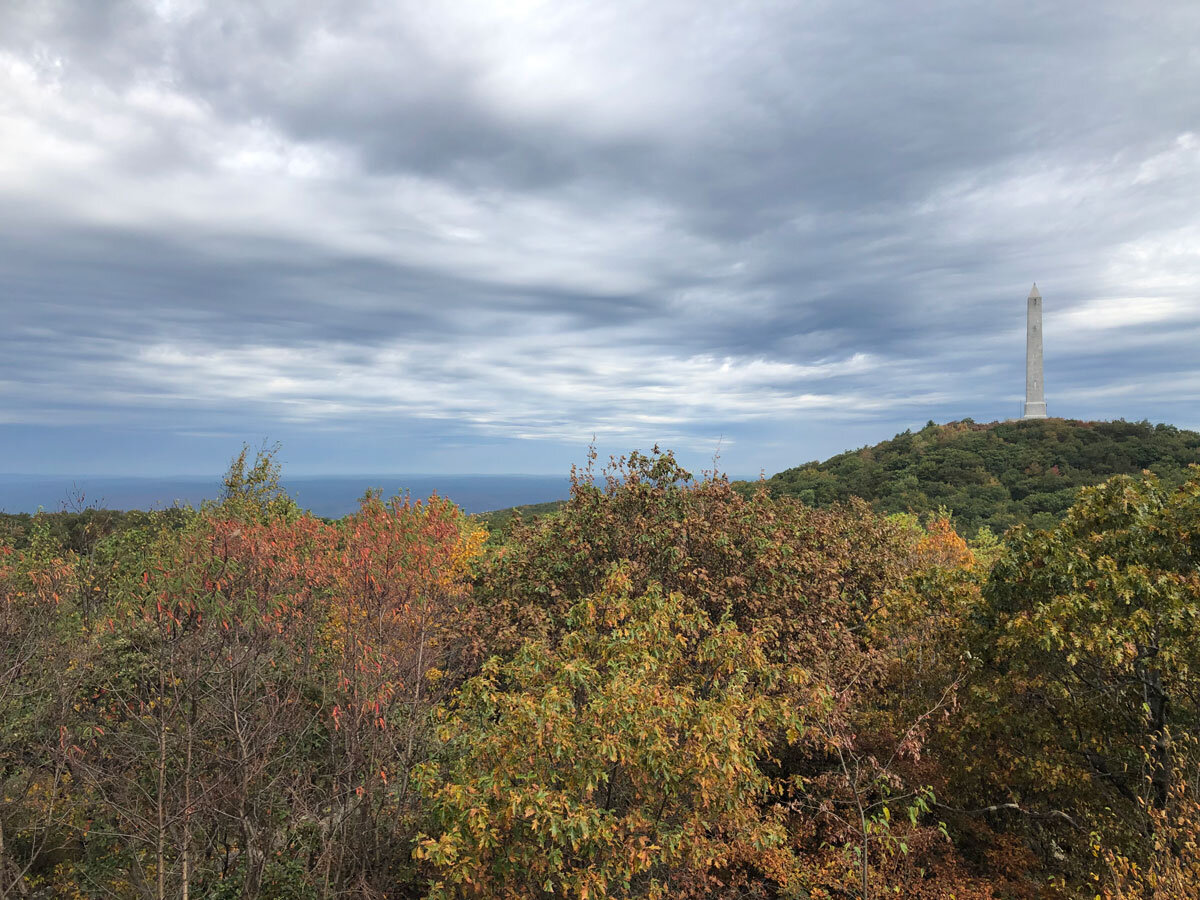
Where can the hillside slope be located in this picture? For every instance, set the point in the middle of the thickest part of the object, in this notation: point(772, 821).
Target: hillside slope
point(499, 521)
point(996, 474)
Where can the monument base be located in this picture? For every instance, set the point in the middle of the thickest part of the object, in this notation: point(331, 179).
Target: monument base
point(1035, 410)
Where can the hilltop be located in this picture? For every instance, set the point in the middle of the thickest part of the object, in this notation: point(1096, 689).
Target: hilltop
point(499, 521)
point(995, 474)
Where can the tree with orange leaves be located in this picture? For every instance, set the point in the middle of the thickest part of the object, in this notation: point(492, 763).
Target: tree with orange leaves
point(396, 626)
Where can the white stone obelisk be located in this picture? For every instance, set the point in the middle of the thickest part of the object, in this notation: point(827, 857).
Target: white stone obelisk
point(1035, 395)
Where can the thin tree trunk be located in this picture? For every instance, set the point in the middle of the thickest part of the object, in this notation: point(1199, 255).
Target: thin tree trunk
point(250, 886)
point(187, 804)
point(412, 719)
point(160, 844)
point(864, 862)
point(1157, 703)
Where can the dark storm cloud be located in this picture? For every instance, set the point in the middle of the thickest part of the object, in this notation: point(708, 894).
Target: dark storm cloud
point(529, 222)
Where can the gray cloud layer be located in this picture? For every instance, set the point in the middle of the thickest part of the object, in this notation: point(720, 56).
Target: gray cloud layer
point(469, 236)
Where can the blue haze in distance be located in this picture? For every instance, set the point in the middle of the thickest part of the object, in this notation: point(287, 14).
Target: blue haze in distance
point(470, 236)
point(325, 496)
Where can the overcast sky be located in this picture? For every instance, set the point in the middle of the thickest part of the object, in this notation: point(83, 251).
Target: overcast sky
point(465, 237)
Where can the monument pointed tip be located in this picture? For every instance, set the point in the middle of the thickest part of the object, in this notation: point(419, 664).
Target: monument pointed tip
point(1034, 292)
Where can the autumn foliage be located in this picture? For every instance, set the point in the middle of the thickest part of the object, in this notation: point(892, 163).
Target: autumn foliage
point(667, 688)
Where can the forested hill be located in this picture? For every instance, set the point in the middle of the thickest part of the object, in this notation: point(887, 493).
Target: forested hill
point(996, 474)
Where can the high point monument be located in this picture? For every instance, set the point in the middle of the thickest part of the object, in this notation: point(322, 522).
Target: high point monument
point(1035, 396)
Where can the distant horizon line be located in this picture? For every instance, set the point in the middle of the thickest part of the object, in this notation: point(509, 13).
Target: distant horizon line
point(284, 477)
point(304, 476)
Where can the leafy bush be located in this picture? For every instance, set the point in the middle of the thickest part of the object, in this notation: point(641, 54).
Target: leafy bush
point(620, 761)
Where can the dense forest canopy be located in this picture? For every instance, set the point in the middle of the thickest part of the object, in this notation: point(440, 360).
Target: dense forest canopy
point(994, 475)
point(668, 688)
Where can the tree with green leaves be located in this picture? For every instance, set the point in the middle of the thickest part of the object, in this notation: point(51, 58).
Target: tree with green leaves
point(1092, 635)
point(624, 759)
